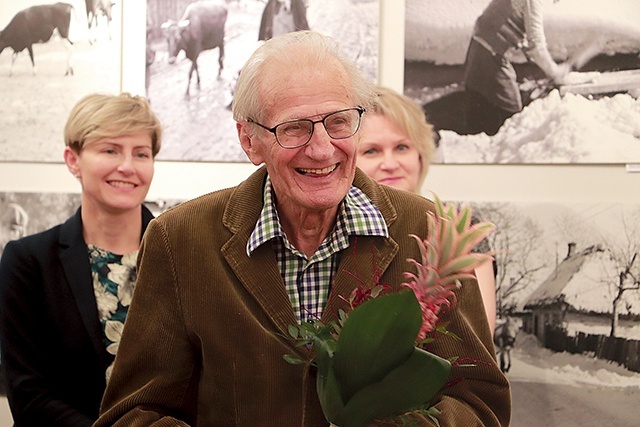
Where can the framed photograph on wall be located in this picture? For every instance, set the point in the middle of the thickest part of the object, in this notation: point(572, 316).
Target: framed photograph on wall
point(76, 50)
point(568, 302)
point(196, 116)
point(476, 67)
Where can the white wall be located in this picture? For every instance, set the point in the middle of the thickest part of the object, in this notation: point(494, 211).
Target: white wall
point(566, 183)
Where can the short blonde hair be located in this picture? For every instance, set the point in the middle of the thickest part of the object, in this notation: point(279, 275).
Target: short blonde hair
point(99, 116)
point(409, 117)
point(294, 50)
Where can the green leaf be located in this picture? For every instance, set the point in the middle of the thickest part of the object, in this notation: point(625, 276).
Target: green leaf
point(325, 346)
point(473, 236)
point(439, 206)
point(411, 384)
point(308, 329)
point(447, 241)
point(329, 395)
point(459, 264)
point(432, 413)
point(378, 336)
point(463, 220)
point(293, 359)
point(293, 331)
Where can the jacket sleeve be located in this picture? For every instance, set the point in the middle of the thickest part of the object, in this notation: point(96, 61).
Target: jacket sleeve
point(150, 384)
point(31, 396)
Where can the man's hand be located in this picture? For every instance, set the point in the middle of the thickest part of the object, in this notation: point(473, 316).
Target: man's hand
point(562, 70)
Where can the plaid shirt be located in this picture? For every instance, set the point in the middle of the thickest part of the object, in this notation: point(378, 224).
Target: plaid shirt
point(308, 281)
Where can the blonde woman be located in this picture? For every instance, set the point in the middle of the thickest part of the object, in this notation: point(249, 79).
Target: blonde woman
point(65, 292)
point(396, 148)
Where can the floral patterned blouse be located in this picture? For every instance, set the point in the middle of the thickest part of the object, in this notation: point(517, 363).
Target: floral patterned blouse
point(114, 277)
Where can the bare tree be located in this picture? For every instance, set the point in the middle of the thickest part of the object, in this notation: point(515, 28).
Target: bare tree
point(514, 241)
point(624, 254)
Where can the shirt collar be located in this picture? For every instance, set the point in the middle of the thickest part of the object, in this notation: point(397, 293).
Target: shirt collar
point(357, 216)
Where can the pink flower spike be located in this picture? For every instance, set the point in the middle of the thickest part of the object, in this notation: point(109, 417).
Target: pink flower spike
point(446, 259)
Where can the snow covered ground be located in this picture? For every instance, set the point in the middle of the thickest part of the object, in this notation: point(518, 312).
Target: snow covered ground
point(538, 364)
point(552, 129)
point(556, 129)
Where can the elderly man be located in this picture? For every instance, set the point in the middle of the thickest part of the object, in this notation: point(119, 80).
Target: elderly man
point(222, 277)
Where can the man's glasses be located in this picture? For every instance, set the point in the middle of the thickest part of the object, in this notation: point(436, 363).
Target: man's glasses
point(297, 133)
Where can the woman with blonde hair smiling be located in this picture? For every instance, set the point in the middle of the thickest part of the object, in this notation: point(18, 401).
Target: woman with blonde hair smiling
point(65, 292)
point(396, 148)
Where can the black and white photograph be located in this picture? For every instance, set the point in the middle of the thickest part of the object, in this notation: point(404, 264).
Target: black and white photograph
point(192, 93)
point(518, 82)
point(568, 303)
point(51, 55)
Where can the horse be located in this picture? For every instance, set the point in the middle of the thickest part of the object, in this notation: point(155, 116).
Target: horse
point(504, 340)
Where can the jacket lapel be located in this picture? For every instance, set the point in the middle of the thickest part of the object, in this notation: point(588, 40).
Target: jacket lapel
point(74, 258)
point(75, 262)
point(367, 257)
point(363, 267)
point(259, 274)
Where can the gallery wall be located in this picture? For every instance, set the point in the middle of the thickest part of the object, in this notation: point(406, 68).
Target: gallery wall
point(183, 180)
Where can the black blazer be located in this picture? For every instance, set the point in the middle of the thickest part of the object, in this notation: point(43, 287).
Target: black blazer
point(53, 355)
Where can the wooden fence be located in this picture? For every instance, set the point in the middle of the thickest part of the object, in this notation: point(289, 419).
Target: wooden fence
point(620, 350)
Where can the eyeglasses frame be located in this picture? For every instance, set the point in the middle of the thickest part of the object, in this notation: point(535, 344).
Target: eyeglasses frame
point(360, 111)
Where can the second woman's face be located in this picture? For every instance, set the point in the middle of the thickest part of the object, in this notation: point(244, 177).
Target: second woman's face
point(387, 154)
point(115, 173)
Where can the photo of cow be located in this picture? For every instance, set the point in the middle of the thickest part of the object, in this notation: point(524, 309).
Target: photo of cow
point(519, 82)
point(51, 55)
point(195, 50)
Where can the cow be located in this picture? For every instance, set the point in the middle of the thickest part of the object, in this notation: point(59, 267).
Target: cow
point(36, 25)
point(96, 8)
point(200, 28)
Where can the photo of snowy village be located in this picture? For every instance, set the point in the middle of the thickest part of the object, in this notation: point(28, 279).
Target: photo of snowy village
point(568, 277)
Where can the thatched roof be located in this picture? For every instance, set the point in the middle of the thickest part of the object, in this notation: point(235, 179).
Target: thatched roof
point(583, 282)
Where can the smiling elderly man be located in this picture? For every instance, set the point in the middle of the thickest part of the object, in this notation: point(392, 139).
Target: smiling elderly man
point(222, 277)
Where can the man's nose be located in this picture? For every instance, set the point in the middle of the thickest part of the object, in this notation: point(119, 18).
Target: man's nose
point(320, 145)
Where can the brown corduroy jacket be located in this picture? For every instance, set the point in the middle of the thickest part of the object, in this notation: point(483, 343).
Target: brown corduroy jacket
point(207, 329)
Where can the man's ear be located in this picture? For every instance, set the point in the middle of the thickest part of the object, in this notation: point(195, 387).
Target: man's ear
point(71, 159)
point(250, 143)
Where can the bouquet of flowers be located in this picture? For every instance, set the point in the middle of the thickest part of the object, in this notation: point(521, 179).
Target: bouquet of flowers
point(372, 363)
